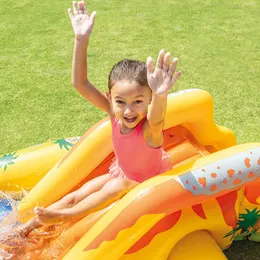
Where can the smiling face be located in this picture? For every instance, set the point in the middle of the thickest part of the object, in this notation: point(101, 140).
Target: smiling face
point(129, 101)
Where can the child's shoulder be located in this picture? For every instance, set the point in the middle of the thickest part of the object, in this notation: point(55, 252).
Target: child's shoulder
point(115, 123)
point(114, 119)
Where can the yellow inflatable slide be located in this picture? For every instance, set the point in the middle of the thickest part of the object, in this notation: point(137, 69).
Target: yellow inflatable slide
point(209, 198)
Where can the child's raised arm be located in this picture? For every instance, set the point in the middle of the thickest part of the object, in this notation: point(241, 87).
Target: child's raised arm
point(82, 25)
point(160, 80)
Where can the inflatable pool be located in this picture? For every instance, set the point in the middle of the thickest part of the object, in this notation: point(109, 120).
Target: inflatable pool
point(209, 198)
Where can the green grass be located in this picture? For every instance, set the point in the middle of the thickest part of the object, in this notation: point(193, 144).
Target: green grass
point(217, 42)
point(243, 250)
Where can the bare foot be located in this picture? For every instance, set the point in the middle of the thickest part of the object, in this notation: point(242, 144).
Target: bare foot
point(48, 216)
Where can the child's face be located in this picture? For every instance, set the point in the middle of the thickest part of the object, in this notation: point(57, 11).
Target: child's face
point(130, 102)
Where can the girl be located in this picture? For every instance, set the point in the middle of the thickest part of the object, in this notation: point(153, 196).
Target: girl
point(137, 134)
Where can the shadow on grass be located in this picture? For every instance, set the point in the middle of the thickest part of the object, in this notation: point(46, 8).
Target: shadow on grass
point(243, 250)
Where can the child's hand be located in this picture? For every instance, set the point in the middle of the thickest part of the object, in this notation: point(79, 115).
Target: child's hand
point(82, 23)
point(163, 77)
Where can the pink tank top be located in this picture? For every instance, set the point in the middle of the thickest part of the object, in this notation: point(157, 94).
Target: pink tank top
point(135, 158)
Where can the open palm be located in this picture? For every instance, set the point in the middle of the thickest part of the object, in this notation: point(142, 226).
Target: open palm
point(163, 77)
point(81, 22)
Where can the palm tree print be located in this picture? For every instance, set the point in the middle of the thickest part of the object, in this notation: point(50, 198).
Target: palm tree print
point(63, 143)
point(246, 225)
point(7, 159)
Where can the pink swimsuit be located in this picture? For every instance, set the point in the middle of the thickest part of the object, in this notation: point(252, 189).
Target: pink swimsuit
point(135, 160)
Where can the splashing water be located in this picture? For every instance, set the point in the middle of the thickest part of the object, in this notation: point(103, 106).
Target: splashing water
point(38, 240)
point(8, 207)
point(5, 207)
point(8, 217)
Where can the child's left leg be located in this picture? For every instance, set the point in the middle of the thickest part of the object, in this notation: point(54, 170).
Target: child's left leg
point(110, 192)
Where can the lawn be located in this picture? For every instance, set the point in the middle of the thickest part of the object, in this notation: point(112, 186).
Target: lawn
point(217, 43)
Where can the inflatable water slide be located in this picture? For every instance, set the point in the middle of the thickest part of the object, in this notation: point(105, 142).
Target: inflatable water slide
point(209, 198)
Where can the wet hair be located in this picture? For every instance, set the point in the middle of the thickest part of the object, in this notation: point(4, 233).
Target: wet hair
point(128, 70)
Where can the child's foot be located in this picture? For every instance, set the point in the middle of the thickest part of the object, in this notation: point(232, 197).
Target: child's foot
point(48, 216)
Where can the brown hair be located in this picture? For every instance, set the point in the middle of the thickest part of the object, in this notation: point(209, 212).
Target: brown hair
point(128, 70)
